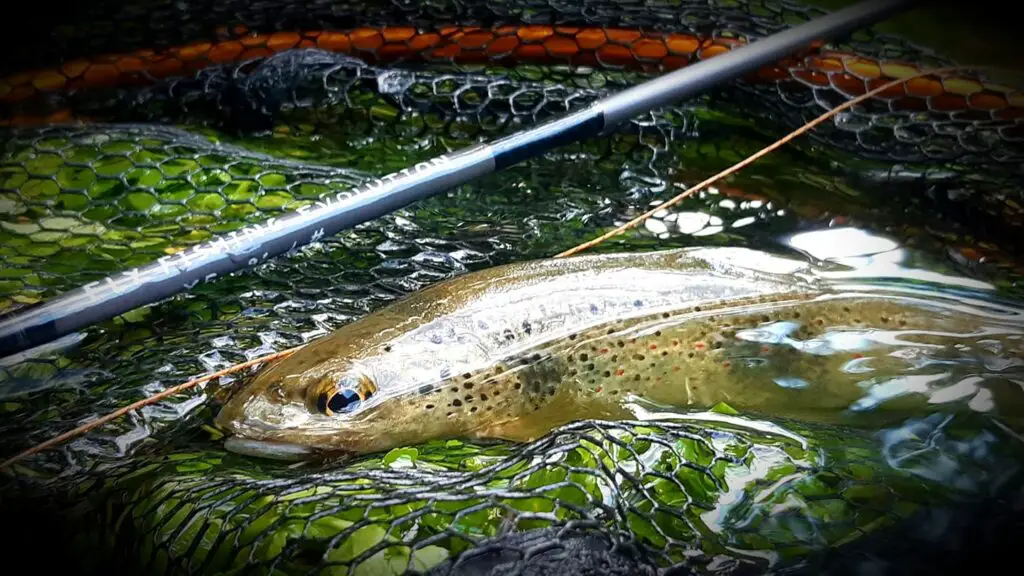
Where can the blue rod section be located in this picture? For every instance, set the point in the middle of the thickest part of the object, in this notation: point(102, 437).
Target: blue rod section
point(254, 245)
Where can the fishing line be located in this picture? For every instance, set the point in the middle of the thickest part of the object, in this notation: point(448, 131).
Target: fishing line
point(757, 155)
point(589, 244)
point(144, 402)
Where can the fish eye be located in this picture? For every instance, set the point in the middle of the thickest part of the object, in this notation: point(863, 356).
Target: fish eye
point(344, 394)
point(342, 401)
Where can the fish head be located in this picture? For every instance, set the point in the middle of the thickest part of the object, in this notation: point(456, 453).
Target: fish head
point(298, 408)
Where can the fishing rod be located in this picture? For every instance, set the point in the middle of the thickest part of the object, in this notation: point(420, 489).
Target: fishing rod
point(251, 246)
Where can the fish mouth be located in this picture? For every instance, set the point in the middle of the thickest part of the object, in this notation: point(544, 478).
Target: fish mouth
point(270, 449)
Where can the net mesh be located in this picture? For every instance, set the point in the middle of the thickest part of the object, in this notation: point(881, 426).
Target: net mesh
point(628, 498)
point(175, 150)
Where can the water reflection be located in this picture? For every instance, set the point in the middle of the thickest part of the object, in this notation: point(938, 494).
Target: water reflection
point(869, 255)
point(736, 210)
point(841, 243)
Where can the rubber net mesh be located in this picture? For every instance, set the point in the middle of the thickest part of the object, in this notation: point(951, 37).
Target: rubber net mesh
point(192, 119)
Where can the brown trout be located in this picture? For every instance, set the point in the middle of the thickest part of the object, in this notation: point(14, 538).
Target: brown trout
point(514, 351)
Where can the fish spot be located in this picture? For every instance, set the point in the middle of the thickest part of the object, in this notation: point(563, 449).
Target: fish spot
point(429, 406)
point(455, 389)
point(665, 314)
point(797, 314)
point(456, 402)
point(498, 369)
point(483, 397)
point(468, 385)
point(473, 409)
point(639, 357)
point(614, 392)
point(664, 352)
point(611, 331)
point(696, 308)
point(607, 374)
point(615, 357)
point(658, 333)
point(468, 398)
point(551, 390)
point(489, 408)
point(527, 327)
point(517, 386)
point(572, 336)
point(636, 378)
point(508, 335)
point(497, 393)
point(584, 357)
point(620, 344)
point(387, 348)
point(590, 366)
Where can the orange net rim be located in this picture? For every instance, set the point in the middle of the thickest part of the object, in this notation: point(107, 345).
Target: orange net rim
point(615, 48)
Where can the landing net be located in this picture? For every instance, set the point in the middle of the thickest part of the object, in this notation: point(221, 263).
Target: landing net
point(205, 117)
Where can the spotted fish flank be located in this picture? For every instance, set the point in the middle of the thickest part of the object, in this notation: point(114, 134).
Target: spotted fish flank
point(514, 351)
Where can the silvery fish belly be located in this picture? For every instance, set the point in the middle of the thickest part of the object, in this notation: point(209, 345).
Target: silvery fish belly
point(514, 351)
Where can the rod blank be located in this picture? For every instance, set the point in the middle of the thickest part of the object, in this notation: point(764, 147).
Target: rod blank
point(249, 247)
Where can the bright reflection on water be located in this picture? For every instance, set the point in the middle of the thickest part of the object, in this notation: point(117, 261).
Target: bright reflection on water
point(869, 255)
point(834, 243)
